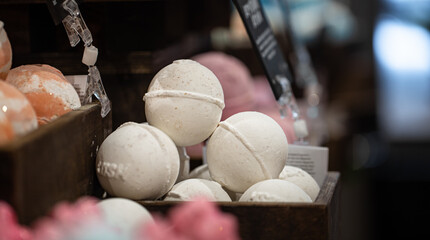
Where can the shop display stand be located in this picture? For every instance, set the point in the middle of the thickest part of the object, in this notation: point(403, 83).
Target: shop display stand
point(314, 221)
point(57, 161)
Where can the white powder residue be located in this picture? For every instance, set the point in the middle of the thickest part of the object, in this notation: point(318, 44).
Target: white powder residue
point(291, 172)
point(29, 86)
point(264, 197)
point(62, 90)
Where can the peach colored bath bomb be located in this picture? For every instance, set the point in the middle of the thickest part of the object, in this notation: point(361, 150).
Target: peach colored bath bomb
point(274, 190)
point(5, 52)
point(50, 94)
point(17, 109)
point(184, 100)
point(246, 148)
point(137, 161)
point(6, 130)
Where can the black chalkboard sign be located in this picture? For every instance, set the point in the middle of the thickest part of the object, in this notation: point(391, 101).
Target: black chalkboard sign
point(264, 43)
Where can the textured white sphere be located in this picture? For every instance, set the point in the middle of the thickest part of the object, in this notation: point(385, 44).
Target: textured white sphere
point(184, 100)
point(137, 161)
point(124, 215)
point(302, 179)
point(192, 188)
point(246, 148)
point(274, 190)
point(201, 172)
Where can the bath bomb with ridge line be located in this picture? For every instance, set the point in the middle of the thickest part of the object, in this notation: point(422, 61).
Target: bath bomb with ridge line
point(192, 188)
point(137, 161)
point(246, 148)
point(302, 179)
point(185, 100)
point(274, 190)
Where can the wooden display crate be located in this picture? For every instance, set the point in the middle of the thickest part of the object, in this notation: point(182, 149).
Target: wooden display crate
point(56, 162)
point(314, 221)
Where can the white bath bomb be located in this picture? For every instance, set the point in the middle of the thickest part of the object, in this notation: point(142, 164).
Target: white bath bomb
point(184, 100)
point(302, 179)
point(201, 172)
point(274, 190)
point(192, 188)
point(137, 161)
point(246, 148)
point(124, 215)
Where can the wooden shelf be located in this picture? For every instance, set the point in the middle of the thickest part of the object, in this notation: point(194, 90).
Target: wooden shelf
point(314, 221)
point(56, 162)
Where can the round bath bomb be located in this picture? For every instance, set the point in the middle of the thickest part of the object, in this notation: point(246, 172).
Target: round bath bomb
point(192, 188)
point(184, 100)
point(17, 109)
point(48, 91)
point(137, 161)
point(235, 79)
point(246, 148)
point(274, 190)
point(124, 215)
point(302, 179)
point(5, 52)
point(201, 172)
point(6, 130)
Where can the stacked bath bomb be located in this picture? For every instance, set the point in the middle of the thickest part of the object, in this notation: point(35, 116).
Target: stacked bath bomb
point(246, 153)
point(183, 107)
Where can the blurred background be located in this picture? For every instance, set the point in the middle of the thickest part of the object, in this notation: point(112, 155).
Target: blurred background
point(370, 58)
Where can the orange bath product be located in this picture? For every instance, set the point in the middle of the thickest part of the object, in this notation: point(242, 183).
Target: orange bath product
point(6, 130)
point(17, 109)
point(47, 89)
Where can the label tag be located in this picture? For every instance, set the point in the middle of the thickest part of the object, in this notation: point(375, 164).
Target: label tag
point(264, 43)
point(313, 160)
point(80, 83)
point(57, 11)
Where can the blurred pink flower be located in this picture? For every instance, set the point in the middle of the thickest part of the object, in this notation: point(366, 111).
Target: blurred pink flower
point(9, 226)
point(194, 220)
point(160, 229)
point(67, 218)
point(202, 220)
